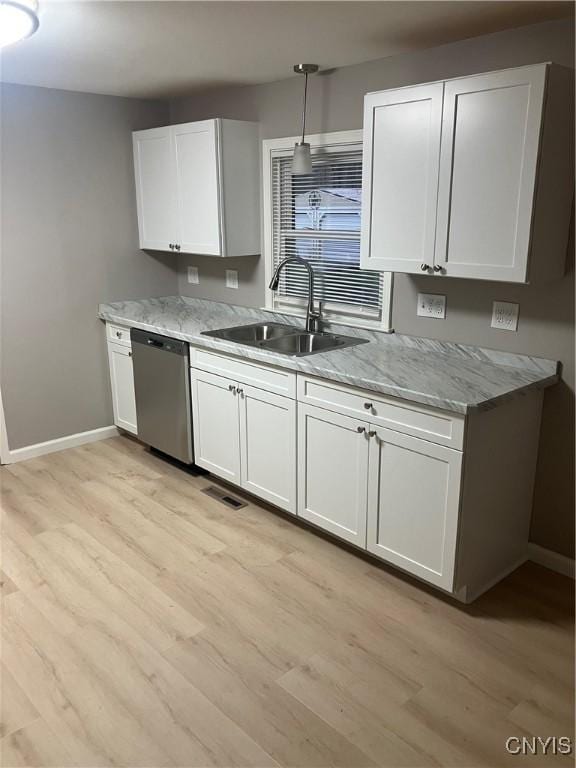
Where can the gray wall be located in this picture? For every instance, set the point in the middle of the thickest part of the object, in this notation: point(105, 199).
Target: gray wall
point(69, 241)
point(546, 312)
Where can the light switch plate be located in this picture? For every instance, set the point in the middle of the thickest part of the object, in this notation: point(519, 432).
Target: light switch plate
point(505, 315)
point(231, 278)
point(193, 276)
point(431, 305)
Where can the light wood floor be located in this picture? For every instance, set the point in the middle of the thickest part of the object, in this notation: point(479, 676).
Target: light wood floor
point(146, 624)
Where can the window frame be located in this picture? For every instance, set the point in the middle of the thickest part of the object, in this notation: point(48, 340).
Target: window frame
point(272, 148)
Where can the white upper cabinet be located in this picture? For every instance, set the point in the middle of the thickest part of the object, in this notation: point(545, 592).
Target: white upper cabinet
point(155, 190)
point(488, 164)
point(400, 184)
point(470, 177)
point(197, 188)
point(196, 147)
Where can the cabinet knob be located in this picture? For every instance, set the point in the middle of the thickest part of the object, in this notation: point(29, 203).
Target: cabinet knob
point(177, 247)
point(424, 267)
point(438, 268)
point(232, 388)
point(129, 354)
point(240, 391)
point(368, 406)
point(372, 433)
point(119, 334)
point(360, 430)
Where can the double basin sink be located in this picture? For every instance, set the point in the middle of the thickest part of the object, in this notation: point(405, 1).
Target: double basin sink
point(284, 339)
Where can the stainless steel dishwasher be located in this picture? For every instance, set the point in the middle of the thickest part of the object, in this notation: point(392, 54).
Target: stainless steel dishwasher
point(162, 385)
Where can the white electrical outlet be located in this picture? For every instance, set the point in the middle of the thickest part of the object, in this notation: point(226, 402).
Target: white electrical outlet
point(431, 305)
point(193, 275)
point(231, 278)
point(505, 315)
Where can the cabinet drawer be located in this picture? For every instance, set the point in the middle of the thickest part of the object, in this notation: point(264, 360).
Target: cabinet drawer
point(430, 424)
point(119, 334)
point(257, 375)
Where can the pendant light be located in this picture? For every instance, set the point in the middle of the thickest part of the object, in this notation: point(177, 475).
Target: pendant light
point(18, 20)
point(302, 160)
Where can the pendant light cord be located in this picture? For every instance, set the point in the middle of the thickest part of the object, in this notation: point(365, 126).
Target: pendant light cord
point(304, 107)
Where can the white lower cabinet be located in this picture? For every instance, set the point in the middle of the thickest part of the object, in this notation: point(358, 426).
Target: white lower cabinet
point(444, 497)
point(413, 504)
point(246, 435)
point(332, 472)
point(122, 383)
point(215, 425)
point(268, 446)
point(391, 493)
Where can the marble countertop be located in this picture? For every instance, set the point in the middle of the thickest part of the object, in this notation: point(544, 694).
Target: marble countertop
point(454, 377)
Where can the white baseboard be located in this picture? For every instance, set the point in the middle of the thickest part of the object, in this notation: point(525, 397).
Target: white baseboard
point(61, 443)
point(550, 559)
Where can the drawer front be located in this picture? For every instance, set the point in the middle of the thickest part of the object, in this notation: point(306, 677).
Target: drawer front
point(421, 421)
point(119, 334)
point(254, 374)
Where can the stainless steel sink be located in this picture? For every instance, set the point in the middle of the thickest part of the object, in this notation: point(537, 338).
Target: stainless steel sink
point(252, 334)
point(307, 343)
point(284, 339)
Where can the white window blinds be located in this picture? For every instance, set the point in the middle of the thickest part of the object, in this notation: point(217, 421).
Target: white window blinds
point(317, 217)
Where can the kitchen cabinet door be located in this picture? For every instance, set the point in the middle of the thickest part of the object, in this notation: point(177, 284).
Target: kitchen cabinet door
point(488, 166)
point(400, 178)
point(215, 425)
point(413, 505)
point(332, 472)
point(122, 383)
point(155, 188)
point(268, 446)
point(197, 165)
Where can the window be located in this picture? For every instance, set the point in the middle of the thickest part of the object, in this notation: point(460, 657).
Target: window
point(317, 217)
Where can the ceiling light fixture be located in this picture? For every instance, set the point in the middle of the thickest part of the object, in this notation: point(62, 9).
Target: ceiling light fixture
point(302, 160)
point(18, 20)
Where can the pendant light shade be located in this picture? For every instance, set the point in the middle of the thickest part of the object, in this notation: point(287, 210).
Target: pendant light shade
point(18, 20)
point(302, 160)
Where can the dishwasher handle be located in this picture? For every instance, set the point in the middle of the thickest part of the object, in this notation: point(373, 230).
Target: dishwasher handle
point(157, 341)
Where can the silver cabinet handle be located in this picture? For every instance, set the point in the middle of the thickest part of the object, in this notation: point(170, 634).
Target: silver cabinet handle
point(438, 268)
point(368, 406)
point(424, 267)
point(360, 430)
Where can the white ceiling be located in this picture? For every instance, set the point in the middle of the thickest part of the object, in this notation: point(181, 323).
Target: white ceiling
point(163, 48)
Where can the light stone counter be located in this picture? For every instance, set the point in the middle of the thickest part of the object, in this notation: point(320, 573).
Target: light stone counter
point(454, 377)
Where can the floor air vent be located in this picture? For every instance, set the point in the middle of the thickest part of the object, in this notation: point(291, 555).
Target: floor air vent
point(224, 497)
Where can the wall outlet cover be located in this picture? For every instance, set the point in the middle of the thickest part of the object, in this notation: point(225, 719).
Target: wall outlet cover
point(431, 305)
point(505, 315)
point(193, 276)
point(231, 278)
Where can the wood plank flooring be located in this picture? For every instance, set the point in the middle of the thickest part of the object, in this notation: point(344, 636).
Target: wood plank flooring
point(146, 624)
